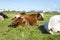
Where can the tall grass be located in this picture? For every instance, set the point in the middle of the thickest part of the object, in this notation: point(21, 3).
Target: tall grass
point(26, 32)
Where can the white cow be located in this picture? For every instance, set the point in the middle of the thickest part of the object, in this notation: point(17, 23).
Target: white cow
point(53, 25)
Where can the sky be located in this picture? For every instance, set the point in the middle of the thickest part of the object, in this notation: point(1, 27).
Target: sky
point(28, 5)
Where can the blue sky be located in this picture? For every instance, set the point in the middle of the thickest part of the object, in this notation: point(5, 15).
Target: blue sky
point(47, 5)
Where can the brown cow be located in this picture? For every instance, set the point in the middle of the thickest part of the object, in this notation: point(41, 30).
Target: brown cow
point(26, 19)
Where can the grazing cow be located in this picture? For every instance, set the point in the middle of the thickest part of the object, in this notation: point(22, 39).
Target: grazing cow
point(4, 16)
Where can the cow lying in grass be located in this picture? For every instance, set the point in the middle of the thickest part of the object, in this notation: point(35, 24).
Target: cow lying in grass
point(26, 19)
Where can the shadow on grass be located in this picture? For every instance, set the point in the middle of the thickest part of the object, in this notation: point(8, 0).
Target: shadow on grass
point(41, 28)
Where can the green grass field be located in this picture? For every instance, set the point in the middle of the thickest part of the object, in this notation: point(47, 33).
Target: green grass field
point(26, 32)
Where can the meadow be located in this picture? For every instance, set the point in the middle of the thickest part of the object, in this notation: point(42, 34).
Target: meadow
point(26, 32)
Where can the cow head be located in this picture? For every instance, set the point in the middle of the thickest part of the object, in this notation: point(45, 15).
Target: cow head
point(18, 21)
point(40, 16)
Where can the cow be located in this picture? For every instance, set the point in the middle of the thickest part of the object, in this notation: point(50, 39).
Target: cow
point(27, 19)
point(24, 20)
point(3, 15)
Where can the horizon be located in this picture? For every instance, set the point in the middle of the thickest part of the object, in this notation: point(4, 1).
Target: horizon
point(28, 5)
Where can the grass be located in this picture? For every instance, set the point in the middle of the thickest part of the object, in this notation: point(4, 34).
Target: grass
point(26, 32)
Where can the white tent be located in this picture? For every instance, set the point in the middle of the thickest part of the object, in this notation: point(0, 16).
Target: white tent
point(53, 25)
